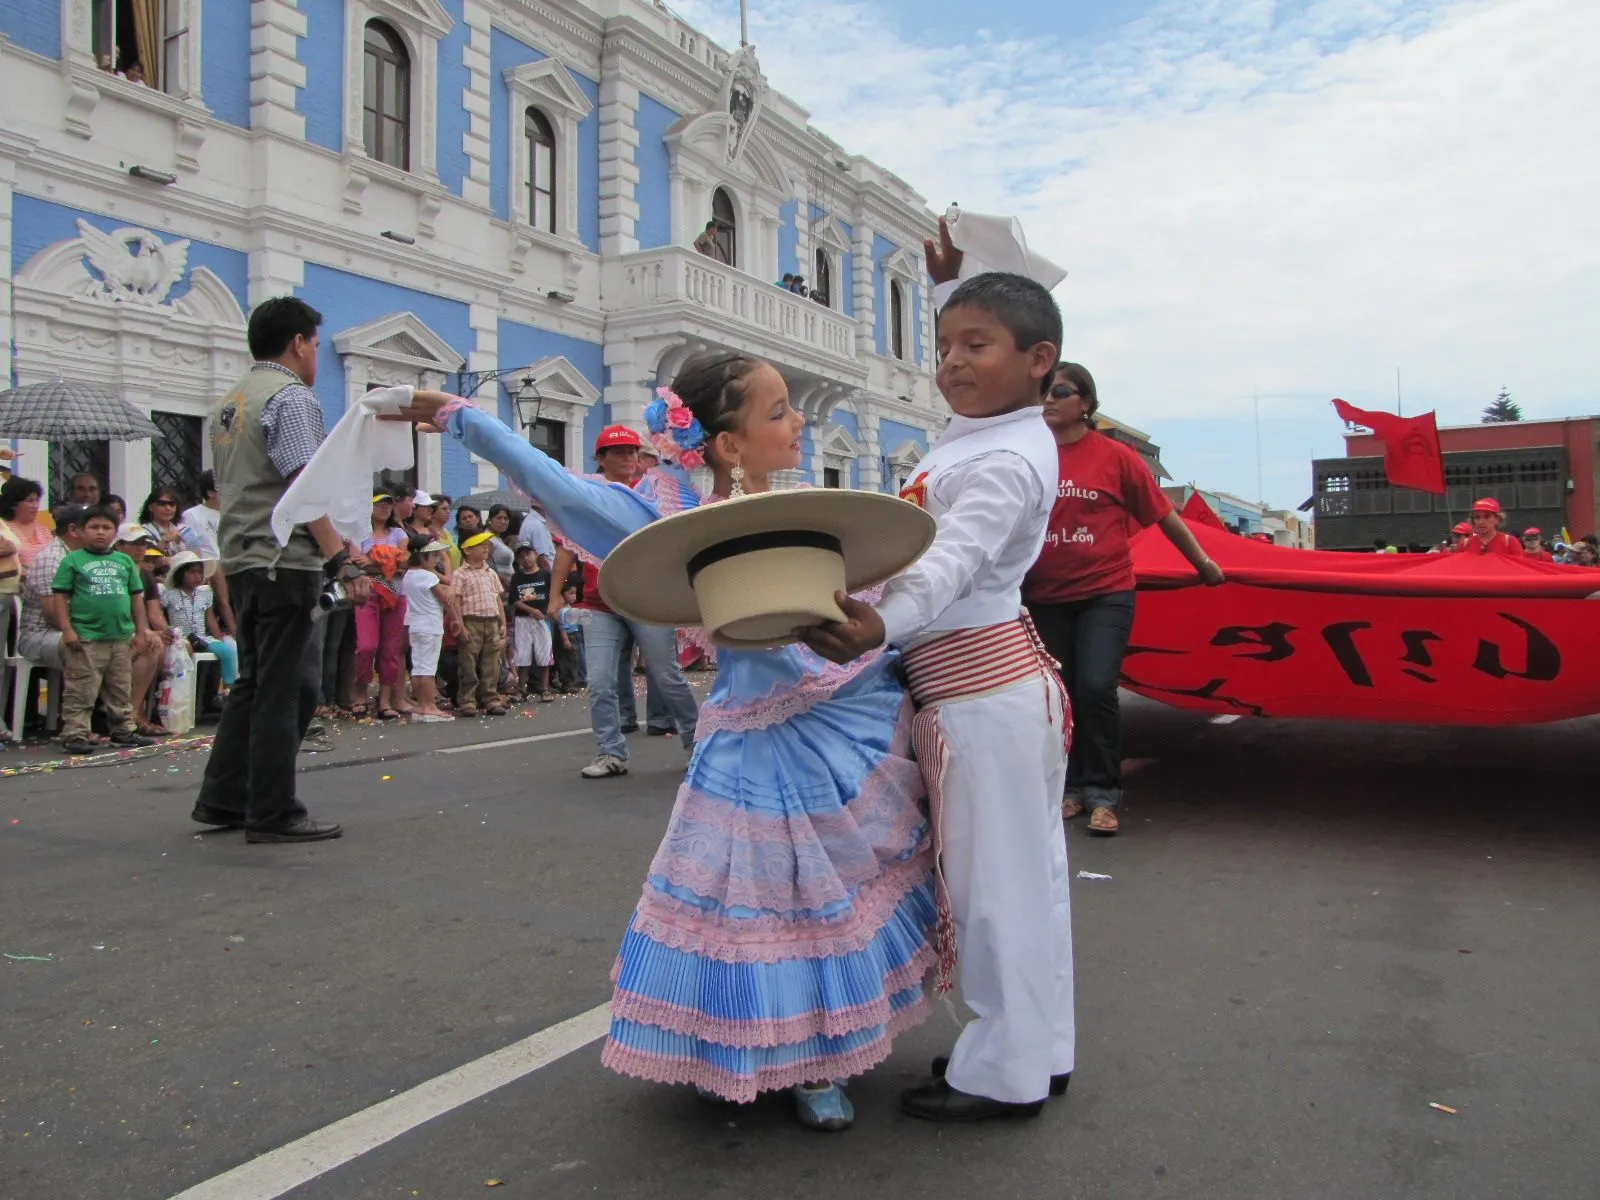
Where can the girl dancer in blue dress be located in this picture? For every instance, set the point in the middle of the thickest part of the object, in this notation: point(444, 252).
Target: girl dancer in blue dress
point(783, 937)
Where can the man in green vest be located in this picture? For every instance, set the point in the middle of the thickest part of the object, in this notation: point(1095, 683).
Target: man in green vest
point(263, 432)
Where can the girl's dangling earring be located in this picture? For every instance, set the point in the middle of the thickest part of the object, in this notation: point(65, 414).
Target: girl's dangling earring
point(738, 482)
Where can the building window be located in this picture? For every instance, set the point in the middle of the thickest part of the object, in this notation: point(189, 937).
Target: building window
point(822, 280)
point(832, 477)
point(727, 226)
point(551, 437)
point(541, 137)
point(386, 97)
point(897, 319)
point(68, 459)
point(175, 456)
point(144, 41)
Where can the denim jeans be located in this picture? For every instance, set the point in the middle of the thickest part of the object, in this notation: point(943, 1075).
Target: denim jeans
point(1088, 638)
point(657, 712)
point(251, 769)
point(608, 643)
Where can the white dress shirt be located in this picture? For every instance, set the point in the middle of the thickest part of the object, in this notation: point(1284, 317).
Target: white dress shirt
point(977, 554)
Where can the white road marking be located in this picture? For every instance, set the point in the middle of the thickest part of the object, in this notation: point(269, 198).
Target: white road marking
point(1225, 719)
point(521, 741)
point(288, 1167)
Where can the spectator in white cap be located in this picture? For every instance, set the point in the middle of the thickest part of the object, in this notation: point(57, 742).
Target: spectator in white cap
point(429, 610)
point(136, 542)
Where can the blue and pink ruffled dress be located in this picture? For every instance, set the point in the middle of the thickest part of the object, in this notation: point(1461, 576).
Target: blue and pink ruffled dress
point(784, 931)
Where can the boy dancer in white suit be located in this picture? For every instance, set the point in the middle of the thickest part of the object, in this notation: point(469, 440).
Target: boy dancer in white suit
point(993, 720)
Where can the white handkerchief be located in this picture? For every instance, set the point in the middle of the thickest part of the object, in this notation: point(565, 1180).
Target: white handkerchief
point(990, 243)
point(337, 482)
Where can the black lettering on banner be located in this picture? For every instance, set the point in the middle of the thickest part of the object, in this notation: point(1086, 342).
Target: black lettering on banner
point(1416, 642)
point(1273, 640)
point(1542, 658)
point(1341, 640)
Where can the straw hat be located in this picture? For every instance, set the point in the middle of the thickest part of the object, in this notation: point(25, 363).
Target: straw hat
point(753, 569)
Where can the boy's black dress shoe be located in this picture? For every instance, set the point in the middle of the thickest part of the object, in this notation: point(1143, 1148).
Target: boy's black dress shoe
point(1058, 1083)
point(212, 816)
point(936, 1100)
point(303, 830)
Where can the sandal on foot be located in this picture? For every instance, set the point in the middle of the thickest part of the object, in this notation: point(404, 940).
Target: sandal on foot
point(1071, 808)
point(1103, 821)
point(826, 1109)
point(388, 714)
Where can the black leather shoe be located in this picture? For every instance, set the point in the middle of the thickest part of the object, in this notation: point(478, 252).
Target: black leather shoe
point(303, 830)
point(213, 816)
point(936, 1100)
point(629, 729)
point(1058, 1083)
point(133, 739)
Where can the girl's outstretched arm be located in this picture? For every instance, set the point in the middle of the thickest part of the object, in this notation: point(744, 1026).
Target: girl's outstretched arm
point(595, 515)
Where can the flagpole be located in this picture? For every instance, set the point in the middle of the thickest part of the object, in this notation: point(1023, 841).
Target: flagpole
point(744, 24)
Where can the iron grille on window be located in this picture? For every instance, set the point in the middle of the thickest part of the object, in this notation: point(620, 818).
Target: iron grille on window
point(78, 458)
point(175, 456)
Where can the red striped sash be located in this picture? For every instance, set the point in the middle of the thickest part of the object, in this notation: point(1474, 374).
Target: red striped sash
point(974, 662)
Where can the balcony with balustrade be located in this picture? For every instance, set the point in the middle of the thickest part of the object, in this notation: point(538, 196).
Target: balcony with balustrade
point(675, 291)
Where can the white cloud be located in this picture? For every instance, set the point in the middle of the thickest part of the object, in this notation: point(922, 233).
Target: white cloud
point(1254, 201)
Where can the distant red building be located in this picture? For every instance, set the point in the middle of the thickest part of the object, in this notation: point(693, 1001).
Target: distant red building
point(1542, 472)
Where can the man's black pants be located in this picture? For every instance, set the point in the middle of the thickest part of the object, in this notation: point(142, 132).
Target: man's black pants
point(251, 771)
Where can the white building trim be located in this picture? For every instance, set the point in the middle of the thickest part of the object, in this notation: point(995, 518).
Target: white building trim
point(421, 24)
point(566, 395)
point(399, 349)
point(903, 465)
point(835, 450)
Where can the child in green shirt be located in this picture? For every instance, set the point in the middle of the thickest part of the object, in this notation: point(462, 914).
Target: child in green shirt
point(99, 608)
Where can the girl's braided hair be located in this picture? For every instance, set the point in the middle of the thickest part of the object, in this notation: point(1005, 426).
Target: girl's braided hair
point(712, 387)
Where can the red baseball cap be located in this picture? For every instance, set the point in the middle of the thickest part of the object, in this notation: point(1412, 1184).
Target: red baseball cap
point(1462, 527)
point(1532, 532)
point(616, 435)
point(1488, 504)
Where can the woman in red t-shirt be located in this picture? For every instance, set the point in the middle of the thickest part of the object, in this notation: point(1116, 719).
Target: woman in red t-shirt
point(1080, 590)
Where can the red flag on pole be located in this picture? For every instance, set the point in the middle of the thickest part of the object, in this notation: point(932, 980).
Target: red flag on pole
point(1411, 454)
point(1196, 509)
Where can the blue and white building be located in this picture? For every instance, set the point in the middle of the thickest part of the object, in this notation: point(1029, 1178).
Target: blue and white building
point(461, 187)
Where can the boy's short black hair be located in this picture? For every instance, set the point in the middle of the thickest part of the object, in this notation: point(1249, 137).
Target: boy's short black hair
point(1023, 306)
point(275, 323)
point(100, 511)
point(521, 550)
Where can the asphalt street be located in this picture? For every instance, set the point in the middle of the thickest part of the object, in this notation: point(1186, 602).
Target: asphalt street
point(1312, 934)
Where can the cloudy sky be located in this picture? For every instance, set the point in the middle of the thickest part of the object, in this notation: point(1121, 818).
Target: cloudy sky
point(1288, 200)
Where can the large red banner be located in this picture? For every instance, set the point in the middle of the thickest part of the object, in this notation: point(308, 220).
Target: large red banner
point(1424, 639)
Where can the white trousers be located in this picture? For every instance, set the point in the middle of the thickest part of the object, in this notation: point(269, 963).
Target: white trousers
point(1005, 864)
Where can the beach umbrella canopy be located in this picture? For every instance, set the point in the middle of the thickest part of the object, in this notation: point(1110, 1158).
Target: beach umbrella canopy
point(67, 411)
point(484, 501)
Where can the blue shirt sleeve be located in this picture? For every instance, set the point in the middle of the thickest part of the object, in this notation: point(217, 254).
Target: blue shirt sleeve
point(595, 515)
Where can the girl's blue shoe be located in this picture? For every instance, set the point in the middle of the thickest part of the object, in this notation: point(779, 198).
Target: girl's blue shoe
point(826, 1108)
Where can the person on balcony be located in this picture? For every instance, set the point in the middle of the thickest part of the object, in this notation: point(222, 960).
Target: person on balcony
point(708, 244)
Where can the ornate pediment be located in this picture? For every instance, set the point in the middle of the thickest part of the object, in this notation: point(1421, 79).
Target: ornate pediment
point(131, 266)
point(826, 231)
point(557, 379)
point(429, 14)
point(835, 441)
point(400, 339)
point(548, 82)
point(906, 455)
point(905, 263)
point(744, 94)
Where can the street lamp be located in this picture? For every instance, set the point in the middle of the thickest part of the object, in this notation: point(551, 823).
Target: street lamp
point(527, 397)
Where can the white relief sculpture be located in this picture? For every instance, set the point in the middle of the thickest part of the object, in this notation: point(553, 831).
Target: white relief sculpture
point(132, 264)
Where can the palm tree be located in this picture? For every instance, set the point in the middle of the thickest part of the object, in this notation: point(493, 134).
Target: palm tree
point(1502, 410)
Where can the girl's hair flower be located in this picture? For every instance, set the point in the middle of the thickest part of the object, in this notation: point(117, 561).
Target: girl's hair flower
point(680, 418)
point(691, 460)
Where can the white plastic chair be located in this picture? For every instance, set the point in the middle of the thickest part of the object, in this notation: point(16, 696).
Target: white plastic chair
point(18, 677)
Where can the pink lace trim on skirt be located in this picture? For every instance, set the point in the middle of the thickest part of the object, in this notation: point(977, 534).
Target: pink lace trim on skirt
point(775, 1031)
point(742, 1089)
point(779, 705)
point(680, 926)
point(794, 861)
